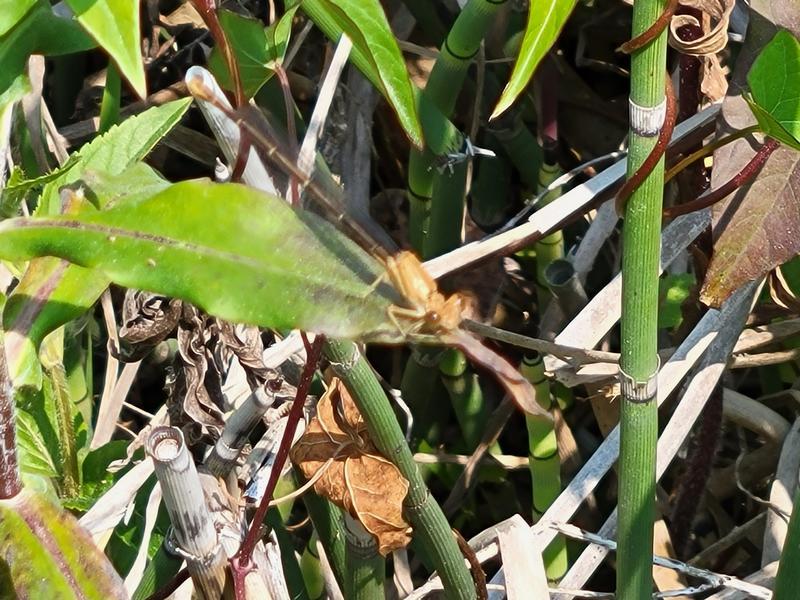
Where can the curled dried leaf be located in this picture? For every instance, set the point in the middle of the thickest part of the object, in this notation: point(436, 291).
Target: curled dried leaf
point(716, 14)
point(147, 319)
point(714, 25)
point(358, 479)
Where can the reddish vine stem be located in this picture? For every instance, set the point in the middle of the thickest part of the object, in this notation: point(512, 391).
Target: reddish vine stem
point(170, 587)
point(664, 135)
point(649, 163)
point(208, 11)
point(241, 563)
point(748, 172)
point(652, 32)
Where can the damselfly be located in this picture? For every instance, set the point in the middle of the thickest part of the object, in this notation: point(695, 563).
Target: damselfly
point(425, 314)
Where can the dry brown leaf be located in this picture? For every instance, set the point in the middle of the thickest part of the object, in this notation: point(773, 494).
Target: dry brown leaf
point(359, 480)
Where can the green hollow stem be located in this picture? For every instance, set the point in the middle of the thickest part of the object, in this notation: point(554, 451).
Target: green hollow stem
point(366, 568)
point(525, 153)
point(490, 189)
point(787, 580)
point(466, 396)
point(545, 466)
point(639, 358)
point(327, 520)
point(421, 383)
point(442, 90)
point(550, 247)
point(431, 528)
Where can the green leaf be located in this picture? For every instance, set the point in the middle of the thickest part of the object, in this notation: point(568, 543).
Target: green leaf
point(38, 406)
point(69, 290)
point(256, 49)
point(774, 81)
point(38, 32)
point(115, 26)
point(546, 18)
point(375, 52)
point(34, 456)
point(673, 292)
point(44, 553)
point(118, 149)
point(96, 478)
point(11, 11)
point(18, 187)
point(20, 86)
point(237, 253)
point(51, 292)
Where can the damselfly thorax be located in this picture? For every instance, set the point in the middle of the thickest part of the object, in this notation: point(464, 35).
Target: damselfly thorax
point(427, 310)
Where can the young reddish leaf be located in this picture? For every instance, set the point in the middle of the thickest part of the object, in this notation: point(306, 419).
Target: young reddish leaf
point(256, 49)
point(756, 228)
point(761, 231)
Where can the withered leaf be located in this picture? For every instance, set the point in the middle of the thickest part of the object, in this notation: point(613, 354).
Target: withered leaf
point(147, 319)
point(359, 480)
point(763, 230)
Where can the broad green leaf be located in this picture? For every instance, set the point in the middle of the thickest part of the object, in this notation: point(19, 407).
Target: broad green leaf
point(375, 52)
point(237, 253)
point(115, 26)
point(256, 49)
point(11, 11)
point(774, 81)
point(546, 18)
point(44, 553)
point(38, 32)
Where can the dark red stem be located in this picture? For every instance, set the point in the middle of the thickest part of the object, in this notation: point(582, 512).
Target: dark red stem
point(547, 83)
point(693, 180)
point(649, 163)
point(743, 177)
point(170, 587)
point(242, 558)
point(208, 11)
point(10, 483)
